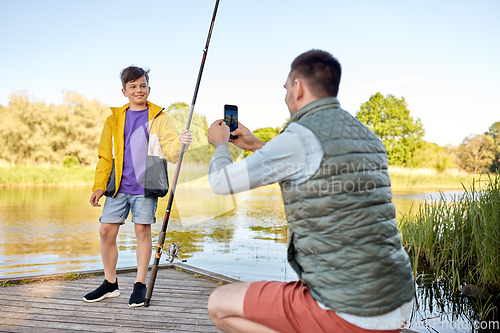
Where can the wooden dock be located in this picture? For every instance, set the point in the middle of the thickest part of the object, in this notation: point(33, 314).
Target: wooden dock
point(54, 303)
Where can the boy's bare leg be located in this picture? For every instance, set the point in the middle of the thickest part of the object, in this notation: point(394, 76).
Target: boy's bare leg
point(109, 249)
point(225, 307)
point(144, 249)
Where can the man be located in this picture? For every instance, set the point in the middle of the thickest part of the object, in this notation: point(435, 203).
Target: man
point(344, 245)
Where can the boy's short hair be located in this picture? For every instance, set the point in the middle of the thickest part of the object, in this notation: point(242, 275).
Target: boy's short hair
point(132, 73)
point(320, 70)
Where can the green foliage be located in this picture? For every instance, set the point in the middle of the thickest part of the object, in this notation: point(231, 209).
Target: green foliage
point(70, 161)
point(459, 238)
point(494, 132)
point(477, 152)
point(390, 119)
point(265, 134)
point(6, 283)
point(199, 150)
point(72, 276)
point(33, 132)
point(431, 155)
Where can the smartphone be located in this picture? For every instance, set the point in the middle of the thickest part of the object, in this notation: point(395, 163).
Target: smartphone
point(231, 118)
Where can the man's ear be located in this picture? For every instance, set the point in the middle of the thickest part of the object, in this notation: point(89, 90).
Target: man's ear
point(299, 89)
point(124, 92)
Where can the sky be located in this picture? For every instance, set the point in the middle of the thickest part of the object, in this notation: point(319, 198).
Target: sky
point(441, 56)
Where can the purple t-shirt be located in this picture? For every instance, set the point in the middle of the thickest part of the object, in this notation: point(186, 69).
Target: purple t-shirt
point(134, 152)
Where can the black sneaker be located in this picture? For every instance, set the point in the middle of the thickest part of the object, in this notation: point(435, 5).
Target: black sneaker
point(105, 290)
point(138, 295)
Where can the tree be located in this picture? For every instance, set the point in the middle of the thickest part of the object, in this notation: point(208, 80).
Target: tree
point(431, 155)
point(264, 134)
point(199, 151)
point(179, 113)
point(494, 132)
point(476, 152)
point(390, 119)
point(33, 132)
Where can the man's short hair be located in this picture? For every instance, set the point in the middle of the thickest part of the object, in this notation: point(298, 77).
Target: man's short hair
point(320, 70)
point(132, 73)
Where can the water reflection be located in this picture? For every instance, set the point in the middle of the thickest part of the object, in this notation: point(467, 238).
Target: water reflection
point(56, 230)
point(40, 229)
point(439, 309)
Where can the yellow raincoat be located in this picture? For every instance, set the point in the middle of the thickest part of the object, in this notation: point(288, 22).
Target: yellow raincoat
point(163, 144)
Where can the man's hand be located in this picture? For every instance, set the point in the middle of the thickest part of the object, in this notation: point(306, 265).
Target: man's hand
point(246, 140)
point(186, 138)
point(94, 198)
point(218, 133)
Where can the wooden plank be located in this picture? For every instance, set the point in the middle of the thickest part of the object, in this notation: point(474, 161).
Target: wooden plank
point(23, 329)
point(179, 304)
point(181, 308)
point(90, 273)
point(41, 326)
point(175, 305)
point(179, 288)
point(136, 320)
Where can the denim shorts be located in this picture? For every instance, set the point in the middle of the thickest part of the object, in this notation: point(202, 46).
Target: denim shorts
point(116, 209)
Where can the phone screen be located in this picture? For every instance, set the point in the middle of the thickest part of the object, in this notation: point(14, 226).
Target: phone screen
point(231, 117)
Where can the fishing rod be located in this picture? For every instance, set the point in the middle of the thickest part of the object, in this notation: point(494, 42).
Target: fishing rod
point(163, 233)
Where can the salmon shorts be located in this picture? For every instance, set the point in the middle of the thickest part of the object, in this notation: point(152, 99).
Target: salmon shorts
point(290, 308)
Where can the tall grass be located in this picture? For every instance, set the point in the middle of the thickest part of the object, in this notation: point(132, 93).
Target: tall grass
point(192, 174)
point(425, 178)
point(46, 176)
point(459, 238)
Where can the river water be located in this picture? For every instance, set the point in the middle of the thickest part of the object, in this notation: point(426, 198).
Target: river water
point(45, 231)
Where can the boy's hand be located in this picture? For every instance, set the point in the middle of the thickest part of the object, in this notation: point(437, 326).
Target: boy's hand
point(94, 198)
point(186, 138)
point(246, 140)
point(218, 133)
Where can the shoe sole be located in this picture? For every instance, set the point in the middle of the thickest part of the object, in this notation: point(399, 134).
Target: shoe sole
point(135, 305)
point(114, 293)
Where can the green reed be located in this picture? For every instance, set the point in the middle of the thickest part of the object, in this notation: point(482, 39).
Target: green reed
point(459, 238)
point(403, 178)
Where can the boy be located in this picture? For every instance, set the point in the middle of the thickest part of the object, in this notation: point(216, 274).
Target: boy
point(132, 173)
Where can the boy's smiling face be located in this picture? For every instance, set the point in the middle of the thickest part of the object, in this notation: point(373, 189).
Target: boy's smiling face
point(137, 92)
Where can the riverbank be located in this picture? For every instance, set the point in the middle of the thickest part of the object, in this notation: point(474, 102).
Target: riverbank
point(426, 179)
point(45, 176)
point(194, 175)
point(64, 177)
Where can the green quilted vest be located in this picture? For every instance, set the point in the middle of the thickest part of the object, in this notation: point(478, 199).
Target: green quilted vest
point(344, 242)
